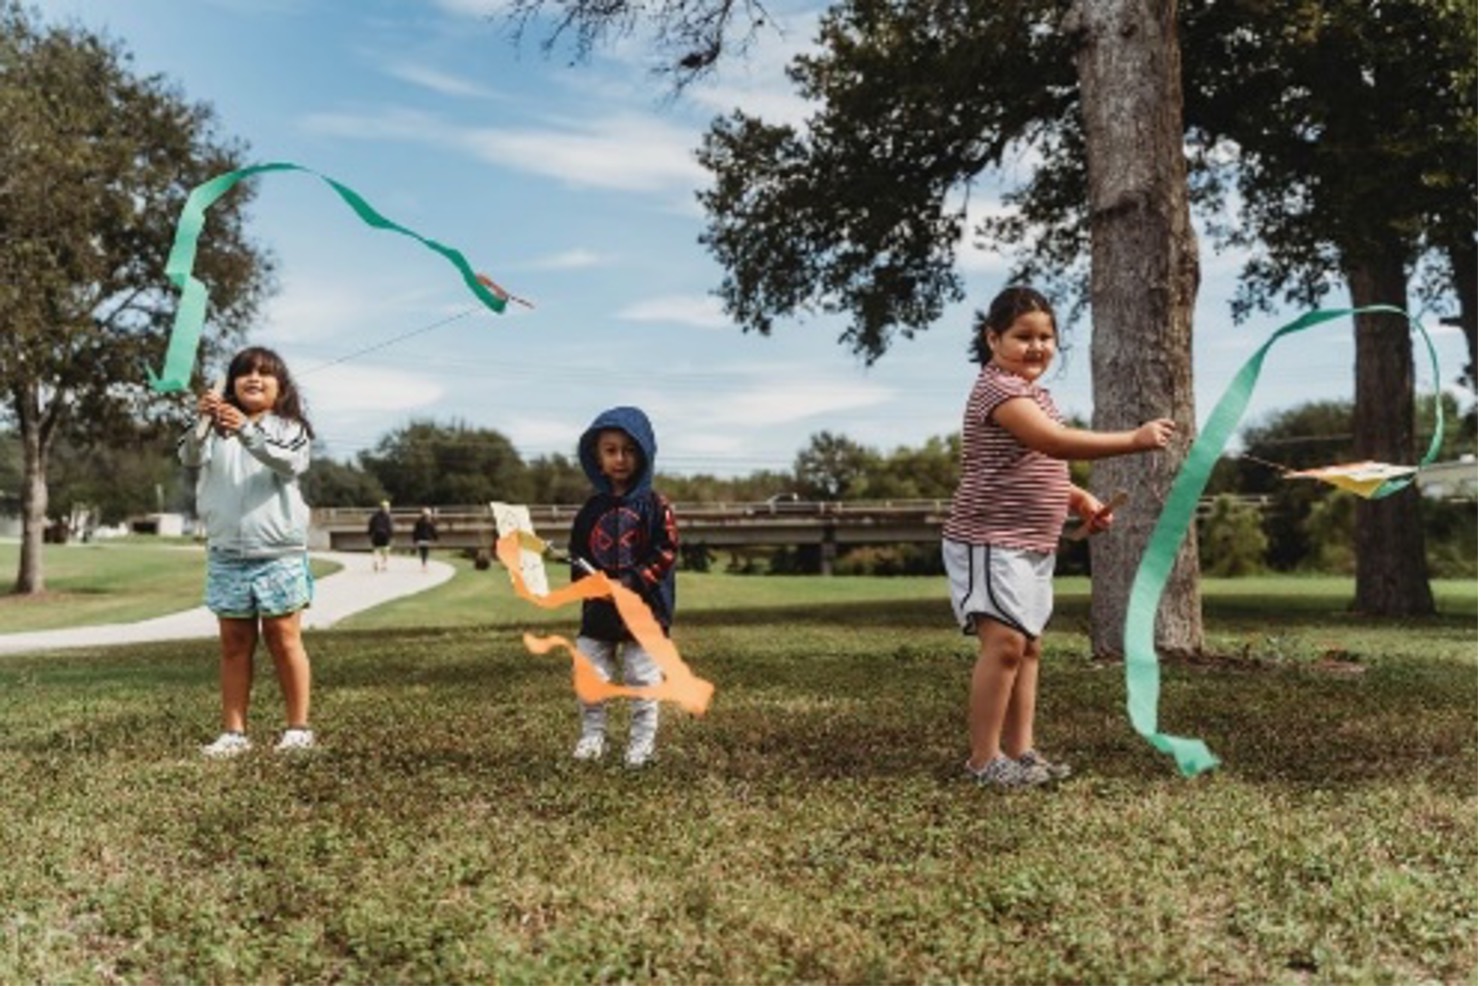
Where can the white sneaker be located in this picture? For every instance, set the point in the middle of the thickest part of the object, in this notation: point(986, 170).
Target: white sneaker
point(295, 739)
point(227, 745)
point(638, 754)
point(590, 748)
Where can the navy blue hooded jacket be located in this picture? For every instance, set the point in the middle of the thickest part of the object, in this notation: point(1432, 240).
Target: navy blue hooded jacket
point(631, 537)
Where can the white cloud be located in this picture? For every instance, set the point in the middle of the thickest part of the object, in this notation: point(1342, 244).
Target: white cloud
point(761, 399)
point(472, 8)
point(786, 400)
point(325, 308)
point(534, 435)
point(395, 124)
point(704, 312)
point(567, 260)
point(359, 388)
point(439, 82)
point(626, 152)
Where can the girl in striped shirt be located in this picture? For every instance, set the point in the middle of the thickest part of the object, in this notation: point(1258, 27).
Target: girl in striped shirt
point(1006, 517)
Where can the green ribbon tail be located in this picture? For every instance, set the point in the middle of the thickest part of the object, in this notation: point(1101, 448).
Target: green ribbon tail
point(1143, 676)
point(190, 315)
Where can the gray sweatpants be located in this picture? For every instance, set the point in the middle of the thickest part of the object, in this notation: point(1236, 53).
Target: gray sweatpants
point(639, 669)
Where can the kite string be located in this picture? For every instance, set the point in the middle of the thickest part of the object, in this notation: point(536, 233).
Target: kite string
point(1270, 464)
point(391, 340)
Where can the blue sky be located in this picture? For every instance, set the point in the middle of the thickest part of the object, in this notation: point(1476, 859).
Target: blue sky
point(572, 185)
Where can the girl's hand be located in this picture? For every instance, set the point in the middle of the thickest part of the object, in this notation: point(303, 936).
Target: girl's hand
point(1154, 434)
point(229, 419)
point(1096, 515)
point(1100, 517)
point(207, 404)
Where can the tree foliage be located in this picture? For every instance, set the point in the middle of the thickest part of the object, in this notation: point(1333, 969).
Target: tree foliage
point(1230, 540)
point(861, 213)
point(94, 168)
point(329, 483)
point(426, 463)
point(832, 467)
point(689, 36)
point(1343, 128)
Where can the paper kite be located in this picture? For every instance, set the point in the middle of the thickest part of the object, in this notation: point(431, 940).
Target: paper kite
point(1362, 478)
point(190, 316)
point(1368, 479)
point(521, 551)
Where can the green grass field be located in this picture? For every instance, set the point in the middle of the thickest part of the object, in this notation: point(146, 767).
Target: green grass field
point(811, 828)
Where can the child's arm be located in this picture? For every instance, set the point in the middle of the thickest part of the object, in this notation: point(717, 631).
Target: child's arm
point(280, 445)
point(192, 444)
point(663, 547)
point(1033, 428)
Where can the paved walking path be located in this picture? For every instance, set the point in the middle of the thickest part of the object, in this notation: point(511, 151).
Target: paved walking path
point(354, 588)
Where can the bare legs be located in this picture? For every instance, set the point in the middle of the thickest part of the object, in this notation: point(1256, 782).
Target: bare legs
point(1004, 693)
point(285, 643)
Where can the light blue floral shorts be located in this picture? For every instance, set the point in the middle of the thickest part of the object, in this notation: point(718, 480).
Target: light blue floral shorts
point(248, 587)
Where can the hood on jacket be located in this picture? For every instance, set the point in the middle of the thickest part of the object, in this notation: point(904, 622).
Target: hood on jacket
point(634, 422)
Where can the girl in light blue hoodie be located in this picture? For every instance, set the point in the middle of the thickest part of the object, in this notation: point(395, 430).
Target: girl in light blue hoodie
point(251, 447)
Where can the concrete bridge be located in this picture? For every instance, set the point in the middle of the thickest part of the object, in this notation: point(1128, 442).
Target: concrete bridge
point(735, 526)
point(716, 524)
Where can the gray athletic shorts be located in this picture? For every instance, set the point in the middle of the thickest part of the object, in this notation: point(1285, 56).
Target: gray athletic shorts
point(1015, 587)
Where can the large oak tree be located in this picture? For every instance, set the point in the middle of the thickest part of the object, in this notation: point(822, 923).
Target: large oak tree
point(95, 164)
point(1354, 126)
point(861, 213)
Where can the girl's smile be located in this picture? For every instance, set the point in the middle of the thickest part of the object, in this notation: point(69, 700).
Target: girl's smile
point(256, 392)
point(1027, 347)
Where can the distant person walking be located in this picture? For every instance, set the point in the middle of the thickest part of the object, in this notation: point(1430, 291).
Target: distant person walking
point(381, 529)
point(424, 534)
point(251, 448)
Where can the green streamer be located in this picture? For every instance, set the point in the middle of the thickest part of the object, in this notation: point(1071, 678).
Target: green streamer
point(190, 316)
point(1142, 674)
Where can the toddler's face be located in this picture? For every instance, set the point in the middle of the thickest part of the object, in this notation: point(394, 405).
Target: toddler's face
point(256, 392)
point(619, 457)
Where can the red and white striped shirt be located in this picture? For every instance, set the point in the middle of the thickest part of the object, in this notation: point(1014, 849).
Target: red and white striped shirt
point(1008, 495)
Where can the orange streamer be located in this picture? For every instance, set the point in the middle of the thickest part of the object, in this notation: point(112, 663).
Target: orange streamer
point(679, 684)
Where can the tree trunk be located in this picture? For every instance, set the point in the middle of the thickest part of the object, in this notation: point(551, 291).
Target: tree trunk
point(1392, 576)
point(1144, 280)
point(30, 576)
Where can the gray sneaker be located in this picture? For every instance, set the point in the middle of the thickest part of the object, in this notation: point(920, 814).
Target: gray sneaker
point(1006, 774)
point(1055, 770)
point(591, 747)
point(638, 754)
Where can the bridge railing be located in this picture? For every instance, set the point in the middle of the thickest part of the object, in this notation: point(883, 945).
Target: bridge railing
point(716, 523)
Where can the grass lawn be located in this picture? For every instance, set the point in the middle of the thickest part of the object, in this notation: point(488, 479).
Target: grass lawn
point(811, 828)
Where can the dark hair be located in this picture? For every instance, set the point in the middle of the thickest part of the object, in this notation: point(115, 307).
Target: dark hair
point(264, 361)
point(1006, 307)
